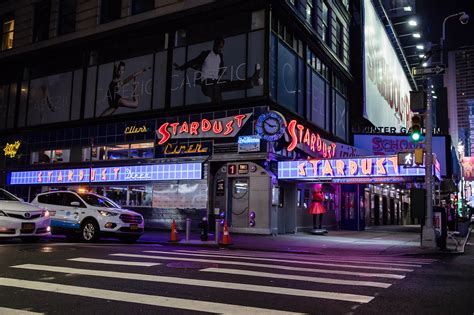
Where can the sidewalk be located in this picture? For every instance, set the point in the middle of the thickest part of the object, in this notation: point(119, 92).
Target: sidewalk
point(386, 240)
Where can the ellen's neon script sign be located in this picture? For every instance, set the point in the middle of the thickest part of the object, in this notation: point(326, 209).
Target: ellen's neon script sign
point(11, 149)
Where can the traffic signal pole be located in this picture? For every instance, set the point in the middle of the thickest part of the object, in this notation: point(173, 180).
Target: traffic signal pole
point(428, 238)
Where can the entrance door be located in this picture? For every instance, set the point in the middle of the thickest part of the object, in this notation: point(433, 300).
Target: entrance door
point(238, 210)
point(392, 211)
point(384, 210)
point(349, 207)
point(376, 209)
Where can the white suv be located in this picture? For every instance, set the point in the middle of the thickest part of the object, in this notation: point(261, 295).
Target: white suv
point(90, 215)
point(21, 219)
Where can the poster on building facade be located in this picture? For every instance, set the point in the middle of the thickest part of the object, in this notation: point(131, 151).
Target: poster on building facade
point(387, 90)
point(49, 99)
point(124, 86)
point(219, 69)
point(180, 195)
point(468, 168)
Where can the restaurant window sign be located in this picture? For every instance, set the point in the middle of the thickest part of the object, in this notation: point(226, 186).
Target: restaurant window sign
point(136, 173)
point(227, 127)
point(369, 168)
point(11, 149)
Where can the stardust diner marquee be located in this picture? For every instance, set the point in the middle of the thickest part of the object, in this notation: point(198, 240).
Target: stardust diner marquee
point(356, 170)
point(135, 173)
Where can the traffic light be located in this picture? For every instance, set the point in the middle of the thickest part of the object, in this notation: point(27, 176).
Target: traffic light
point(415, 128)
point(419, 156)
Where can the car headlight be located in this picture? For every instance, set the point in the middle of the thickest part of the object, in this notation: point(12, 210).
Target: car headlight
point(45, 213)
point(107, 213)
point(3, 214)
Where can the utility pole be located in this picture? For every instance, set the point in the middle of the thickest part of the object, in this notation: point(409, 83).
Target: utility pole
point(428, 234)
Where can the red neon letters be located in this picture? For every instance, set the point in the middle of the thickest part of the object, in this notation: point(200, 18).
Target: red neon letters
point(168, 130)
point(301, 135)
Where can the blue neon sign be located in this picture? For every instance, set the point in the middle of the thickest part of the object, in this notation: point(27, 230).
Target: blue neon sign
point(152, 172)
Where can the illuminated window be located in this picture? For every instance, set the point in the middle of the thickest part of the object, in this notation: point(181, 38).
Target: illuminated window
point(8, 28)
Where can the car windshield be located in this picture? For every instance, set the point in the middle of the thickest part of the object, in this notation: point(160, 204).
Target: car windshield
point(99, 201)
point(5, 195)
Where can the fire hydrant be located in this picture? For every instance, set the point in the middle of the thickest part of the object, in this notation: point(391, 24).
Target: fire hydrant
point(204, 227)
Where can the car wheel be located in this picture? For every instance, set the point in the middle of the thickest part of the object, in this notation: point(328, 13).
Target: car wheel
point(30, 239)
point(89, 231)
point(129, 239)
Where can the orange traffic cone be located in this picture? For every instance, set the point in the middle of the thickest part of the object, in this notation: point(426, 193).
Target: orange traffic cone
point(225, 236)
point(174, 233)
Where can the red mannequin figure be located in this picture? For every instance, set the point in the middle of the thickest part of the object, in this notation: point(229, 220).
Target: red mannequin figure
point(316, 207)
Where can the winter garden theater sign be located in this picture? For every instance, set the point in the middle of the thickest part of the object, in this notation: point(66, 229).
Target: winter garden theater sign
point(355, 170)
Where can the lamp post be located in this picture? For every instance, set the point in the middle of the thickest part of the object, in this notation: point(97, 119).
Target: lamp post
point(428, 234)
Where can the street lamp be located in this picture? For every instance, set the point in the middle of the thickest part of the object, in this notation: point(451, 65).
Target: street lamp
point(463, 18)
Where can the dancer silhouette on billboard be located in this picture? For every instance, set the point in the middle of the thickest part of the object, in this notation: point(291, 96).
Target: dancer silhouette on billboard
point(115, 99)
point(210, 64)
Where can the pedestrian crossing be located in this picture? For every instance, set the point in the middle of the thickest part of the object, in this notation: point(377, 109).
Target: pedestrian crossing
point(221, 281)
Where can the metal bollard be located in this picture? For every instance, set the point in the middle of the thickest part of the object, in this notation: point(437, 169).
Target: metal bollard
point(218, 224)
point(188, 229)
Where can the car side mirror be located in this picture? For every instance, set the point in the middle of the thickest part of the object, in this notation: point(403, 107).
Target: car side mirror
point(75, 203)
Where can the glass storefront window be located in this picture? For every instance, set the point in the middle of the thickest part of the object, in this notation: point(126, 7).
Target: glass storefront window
point(51, 156)
point(142, 150)
point(140, 196)
point(119, 151)
point(117, 194)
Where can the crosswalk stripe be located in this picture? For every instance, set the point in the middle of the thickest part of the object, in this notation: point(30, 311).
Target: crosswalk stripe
point(12, 311)
point(115, 262)
point(313, 263)
point(273, 266)
point(298, 278)
point(379, 258)
point(204, 283)
point(154, 300)
point(300, 258)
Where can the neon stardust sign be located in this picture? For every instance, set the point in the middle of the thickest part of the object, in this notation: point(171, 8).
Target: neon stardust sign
point(301, 135)
point(155, 172)
point(224, 127)
point(345, 168)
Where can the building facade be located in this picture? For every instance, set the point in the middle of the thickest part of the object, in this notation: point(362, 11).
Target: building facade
point(176, 108)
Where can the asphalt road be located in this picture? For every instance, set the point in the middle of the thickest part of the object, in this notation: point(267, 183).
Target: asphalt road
point(109, 277)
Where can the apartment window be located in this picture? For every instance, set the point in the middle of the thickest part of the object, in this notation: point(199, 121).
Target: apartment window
point(325, 23)
point(139, 6)
point(338, 40)
point(42, 12)
point(8, 27)
point(67, 16)
point(309, 12)
point(345, 3)
point(110, 10)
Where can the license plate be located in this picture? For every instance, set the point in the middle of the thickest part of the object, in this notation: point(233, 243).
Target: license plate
point(28, 226)
point(133, 227)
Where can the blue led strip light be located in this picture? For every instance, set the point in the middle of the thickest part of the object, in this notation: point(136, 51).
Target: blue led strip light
point(153, 172)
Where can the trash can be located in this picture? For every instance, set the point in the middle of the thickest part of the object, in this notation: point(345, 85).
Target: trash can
point(440, 225)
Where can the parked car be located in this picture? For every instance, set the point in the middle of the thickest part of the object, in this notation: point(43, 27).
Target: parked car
point(21, 219)
point(89, 216)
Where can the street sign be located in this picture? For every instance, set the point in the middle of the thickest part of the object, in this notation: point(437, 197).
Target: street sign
point(405, 158)
point(431, 70)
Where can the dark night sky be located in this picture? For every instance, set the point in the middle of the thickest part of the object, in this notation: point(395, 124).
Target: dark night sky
point(432, 13)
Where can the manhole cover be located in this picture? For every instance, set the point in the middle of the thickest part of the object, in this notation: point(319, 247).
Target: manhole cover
point(190, 265)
